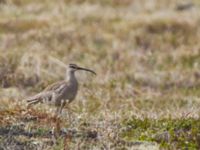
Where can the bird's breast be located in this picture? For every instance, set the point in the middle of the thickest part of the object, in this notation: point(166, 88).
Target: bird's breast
point(70, 91)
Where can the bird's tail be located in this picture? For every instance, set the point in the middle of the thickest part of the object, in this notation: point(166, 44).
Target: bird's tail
point(39, 98)
point(34, 100)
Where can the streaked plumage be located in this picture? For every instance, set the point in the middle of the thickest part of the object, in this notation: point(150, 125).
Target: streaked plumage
point(59, 93)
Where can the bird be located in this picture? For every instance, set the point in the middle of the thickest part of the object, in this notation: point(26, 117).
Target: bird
point(60, 93)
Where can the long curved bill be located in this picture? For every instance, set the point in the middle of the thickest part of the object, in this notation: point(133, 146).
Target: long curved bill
point(80, 68)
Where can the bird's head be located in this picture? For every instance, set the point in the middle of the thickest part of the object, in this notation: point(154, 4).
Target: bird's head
point(74, 67)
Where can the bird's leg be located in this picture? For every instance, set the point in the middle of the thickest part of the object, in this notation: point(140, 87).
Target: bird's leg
point(56, 113)
point(60, 108)
point(63, 102)
point(69, 112)
point(56, 128)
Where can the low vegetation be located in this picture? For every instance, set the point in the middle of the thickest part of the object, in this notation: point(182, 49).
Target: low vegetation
point(146, 94)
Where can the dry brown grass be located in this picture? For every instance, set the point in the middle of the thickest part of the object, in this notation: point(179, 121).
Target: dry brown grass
point(146, 55)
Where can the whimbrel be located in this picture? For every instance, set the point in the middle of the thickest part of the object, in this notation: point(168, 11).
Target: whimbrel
point(60, 93)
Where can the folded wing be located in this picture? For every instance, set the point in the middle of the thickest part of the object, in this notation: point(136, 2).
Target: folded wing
point(40, 98)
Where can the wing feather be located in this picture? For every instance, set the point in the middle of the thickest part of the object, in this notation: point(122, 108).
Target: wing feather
point(47, 93)
point(38, 96)
point(55, 86)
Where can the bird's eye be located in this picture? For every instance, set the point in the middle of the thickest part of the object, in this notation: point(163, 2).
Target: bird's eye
point(73, 67)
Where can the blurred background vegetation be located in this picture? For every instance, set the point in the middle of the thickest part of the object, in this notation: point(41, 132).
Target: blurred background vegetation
point(146, 54)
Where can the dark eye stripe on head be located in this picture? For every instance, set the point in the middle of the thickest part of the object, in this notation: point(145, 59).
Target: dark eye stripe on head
point(72, 65)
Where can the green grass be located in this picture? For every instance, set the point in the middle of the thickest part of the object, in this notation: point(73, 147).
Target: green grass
point(180, 133)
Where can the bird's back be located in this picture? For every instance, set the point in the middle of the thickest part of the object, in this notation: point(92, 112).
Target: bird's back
point(55, 86)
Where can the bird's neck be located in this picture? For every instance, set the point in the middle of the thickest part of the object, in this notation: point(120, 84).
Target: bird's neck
point(71, 78)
